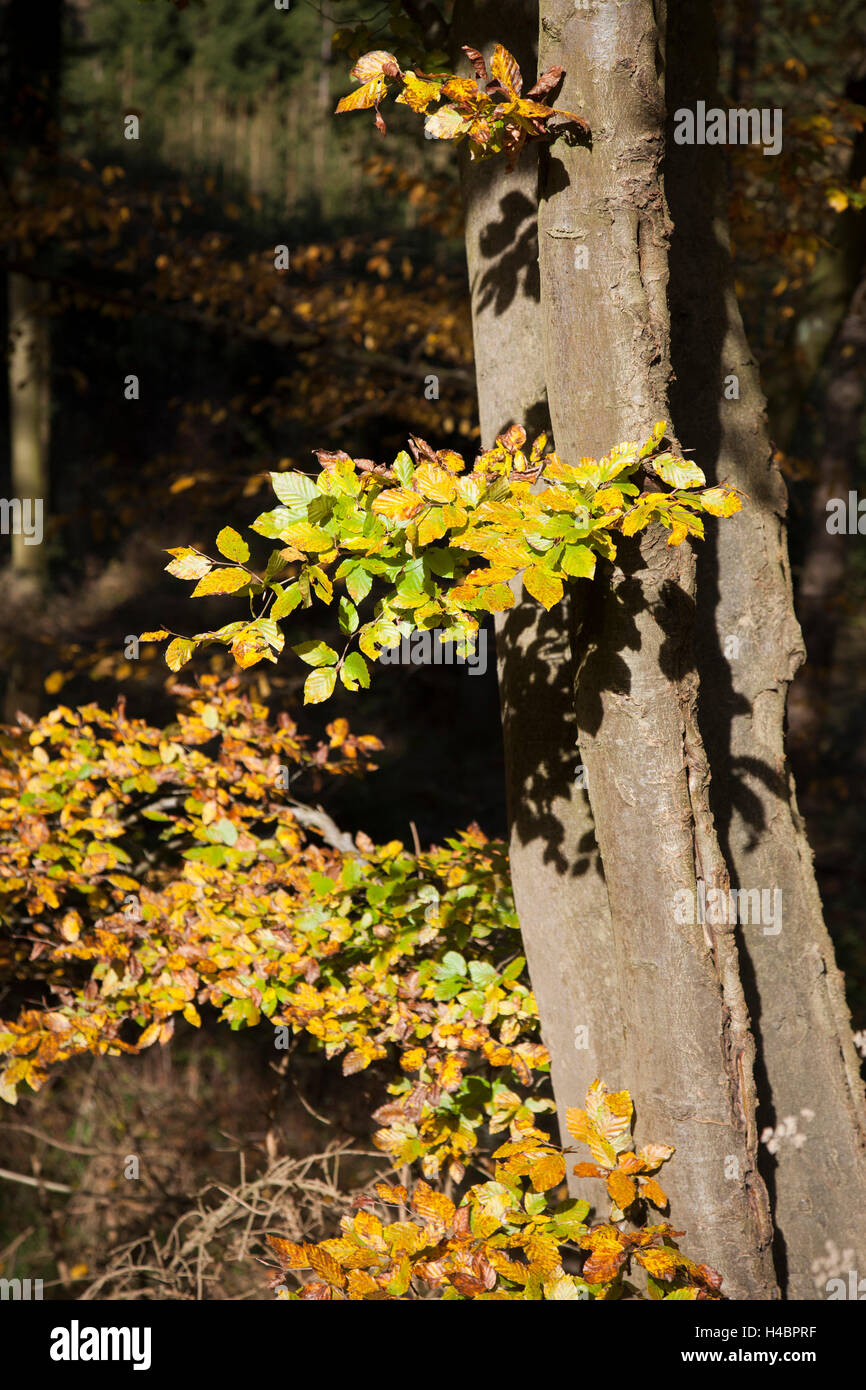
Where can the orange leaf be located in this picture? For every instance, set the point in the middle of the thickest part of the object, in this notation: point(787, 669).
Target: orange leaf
point(650, 1189)
point(505, 70)
point(290, 1255)
point(622, 1188)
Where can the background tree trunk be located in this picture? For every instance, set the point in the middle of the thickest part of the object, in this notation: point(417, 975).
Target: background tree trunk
point(31, 37)
point(556, 872)
point(688, 1046)
point(808, 1067)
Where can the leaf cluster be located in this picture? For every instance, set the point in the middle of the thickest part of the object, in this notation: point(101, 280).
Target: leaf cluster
point(508, 1239)
point(447, 544)
point(490, 110)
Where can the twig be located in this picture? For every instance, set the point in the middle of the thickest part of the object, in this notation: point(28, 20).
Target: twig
point(34, 1182)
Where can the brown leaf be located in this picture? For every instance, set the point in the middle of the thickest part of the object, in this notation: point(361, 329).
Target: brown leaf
point(328, 457)
point(546, 82)
point(478, 63)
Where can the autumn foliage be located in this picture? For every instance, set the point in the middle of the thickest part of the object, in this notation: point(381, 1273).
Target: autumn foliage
point(150, 874)
point(420, 528)
point(509, 1238)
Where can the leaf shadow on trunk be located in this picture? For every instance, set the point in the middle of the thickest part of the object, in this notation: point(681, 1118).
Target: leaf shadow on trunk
point(537, 675)
point(510, 245)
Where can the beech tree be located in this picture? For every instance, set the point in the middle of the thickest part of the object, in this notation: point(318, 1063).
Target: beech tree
point(630, 317)
point(649, 324)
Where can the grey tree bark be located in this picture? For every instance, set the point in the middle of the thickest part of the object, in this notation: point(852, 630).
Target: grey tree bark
point(556, 872)
point(749, 648)
point(635, 318)
point(604, 232)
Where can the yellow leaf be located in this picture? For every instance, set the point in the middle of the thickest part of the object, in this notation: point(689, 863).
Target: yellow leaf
point(719, 502)
point(610, 498)
point(290, 1255)
point(307, 537)
point(431, 527)
point(661, 1264)
point(417, 93)
point(57, 679)
point(543, 585)
point(70, 927)
point(395, 1196)
point(232, 545)
point(178, 653)
point(436, 484)
point(445, 124)
point(221, 581)
point(432, 1206)
point(398, 503)
point(650, 1189)
point(365, 97)
point(319, 685)
point(369, 1229)
point(191, 1015)
point(360, 1284)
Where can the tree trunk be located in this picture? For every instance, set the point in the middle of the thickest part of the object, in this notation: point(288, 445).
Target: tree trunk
point(749, 647)
point(29, 407)
point(556, 873)
point(31, 38)
point(604, 231)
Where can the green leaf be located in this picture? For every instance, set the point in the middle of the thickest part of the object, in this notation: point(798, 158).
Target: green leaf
point(275, 523)
point(512, 971)
point(359, 582)
point(442, 562)
point(316, 654)
point(579, 561)
point(232, 545)
point(404, 467)
point(286, 602)
point(453, 964)
point(225, 831)
point(678, 472)
point(277, 562)
point(319, 685)
point(295, 490)
point(354, 672)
